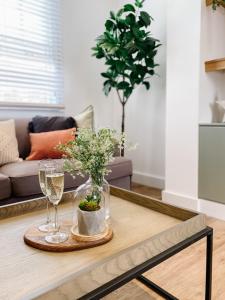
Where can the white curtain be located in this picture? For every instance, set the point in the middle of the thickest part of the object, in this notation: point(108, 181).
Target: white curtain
point(30, 52)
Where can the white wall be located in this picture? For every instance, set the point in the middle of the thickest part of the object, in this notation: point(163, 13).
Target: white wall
point(190, 93)
point(212, 85)
point(145, 112)
point(183, 61)
point(82, 22)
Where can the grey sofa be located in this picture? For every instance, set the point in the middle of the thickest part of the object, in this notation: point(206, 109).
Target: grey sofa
point(19, 180)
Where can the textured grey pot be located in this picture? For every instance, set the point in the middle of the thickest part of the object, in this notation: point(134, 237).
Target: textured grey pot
point(91, 222)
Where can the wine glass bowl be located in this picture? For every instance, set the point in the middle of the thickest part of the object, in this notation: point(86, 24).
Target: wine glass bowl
point(54, 186)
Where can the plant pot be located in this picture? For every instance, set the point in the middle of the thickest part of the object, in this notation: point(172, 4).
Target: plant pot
point(87, 189)
point(91, 222)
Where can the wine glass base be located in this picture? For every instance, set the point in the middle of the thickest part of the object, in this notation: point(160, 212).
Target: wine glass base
point(56, 238)
point(47, 227)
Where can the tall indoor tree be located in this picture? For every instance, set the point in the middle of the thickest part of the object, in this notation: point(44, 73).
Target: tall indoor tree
point(129, 51)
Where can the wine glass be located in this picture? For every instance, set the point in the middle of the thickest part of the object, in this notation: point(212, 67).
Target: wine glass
point(43, 164)
point(54, 178)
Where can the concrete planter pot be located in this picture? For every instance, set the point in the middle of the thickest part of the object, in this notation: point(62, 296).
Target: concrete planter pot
point(91, 222)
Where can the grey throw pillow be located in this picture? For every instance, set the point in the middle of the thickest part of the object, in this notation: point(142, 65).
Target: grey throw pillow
point(45, 124)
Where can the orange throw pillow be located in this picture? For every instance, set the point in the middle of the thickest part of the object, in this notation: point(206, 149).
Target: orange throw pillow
point(43, 145)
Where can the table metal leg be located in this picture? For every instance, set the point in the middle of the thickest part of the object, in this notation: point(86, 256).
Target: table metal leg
point(137, 271)
point(154, 287)
point(209, 255)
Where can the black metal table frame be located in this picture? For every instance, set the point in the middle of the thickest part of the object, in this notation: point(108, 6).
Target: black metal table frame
point(136, 273)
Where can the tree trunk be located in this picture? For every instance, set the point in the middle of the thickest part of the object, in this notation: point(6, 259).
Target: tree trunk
point(123, 127)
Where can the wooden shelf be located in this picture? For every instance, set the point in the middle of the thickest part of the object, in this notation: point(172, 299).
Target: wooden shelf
point(215, 65)
point(209, 2)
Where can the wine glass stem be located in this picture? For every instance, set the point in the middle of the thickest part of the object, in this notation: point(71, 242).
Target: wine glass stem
point(48, 212)
point(56, 219)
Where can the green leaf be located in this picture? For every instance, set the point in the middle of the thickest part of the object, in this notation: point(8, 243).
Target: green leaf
point(147, 84)
point(110, 62)
point(120, 12)
point(139, 3)
point(100, 38)
point(109, 25)
point(152, 53)
point(141, 23)
point(123, 85)
point(122, 53)
point(107, 87)
point(151, 72)
point(122, 24)
point(136, 32)
point(158, 45)
point(129, 7)
point(131, 47)
point(149, 62)
point(100, 55)
point(98, 52)
point(145, 17)
point(128, 92)
point(112, 15)
point(110, 48)
point(130, 19)
point(120, 66)
point(106, 75)
point(140, 55)
point(109, 37)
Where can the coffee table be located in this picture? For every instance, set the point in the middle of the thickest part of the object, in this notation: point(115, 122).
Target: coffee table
point(146, 233)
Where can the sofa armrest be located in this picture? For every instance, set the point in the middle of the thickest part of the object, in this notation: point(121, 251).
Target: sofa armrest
point(5, 184)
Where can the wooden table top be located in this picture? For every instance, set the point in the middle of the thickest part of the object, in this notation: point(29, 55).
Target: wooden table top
point(28, 273)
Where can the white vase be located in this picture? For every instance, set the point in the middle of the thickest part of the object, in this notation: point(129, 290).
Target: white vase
point(91, 222)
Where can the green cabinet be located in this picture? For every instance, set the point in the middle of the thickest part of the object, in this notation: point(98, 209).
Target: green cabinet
point(212, 162)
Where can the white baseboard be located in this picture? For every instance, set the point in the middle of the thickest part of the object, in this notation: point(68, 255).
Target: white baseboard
point(148, 179)
point(212, 209)
point(180, 200)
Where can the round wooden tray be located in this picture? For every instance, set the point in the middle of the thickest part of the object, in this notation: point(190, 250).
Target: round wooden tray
point(33, 237)
point(86, 238)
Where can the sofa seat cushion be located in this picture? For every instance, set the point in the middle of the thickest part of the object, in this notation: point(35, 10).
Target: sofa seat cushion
point(24, 176)
point(5, 190)
point(120, 167)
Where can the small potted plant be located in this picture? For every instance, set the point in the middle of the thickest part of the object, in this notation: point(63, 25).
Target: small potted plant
point(91, 214)
point(89, 155)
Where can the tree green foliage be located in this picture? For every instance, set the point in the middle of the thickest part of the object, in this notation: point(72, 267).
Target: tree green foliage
point(128, 50)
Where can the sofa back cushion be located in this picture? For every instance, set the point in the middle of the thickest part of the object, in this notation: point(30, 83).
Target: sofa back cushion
point(8, 142)
point(45, 124)
point(44, 144)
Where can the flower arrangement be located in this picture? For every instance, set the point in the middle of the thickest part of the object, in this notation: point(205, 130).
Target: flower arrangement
point(89, 154)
